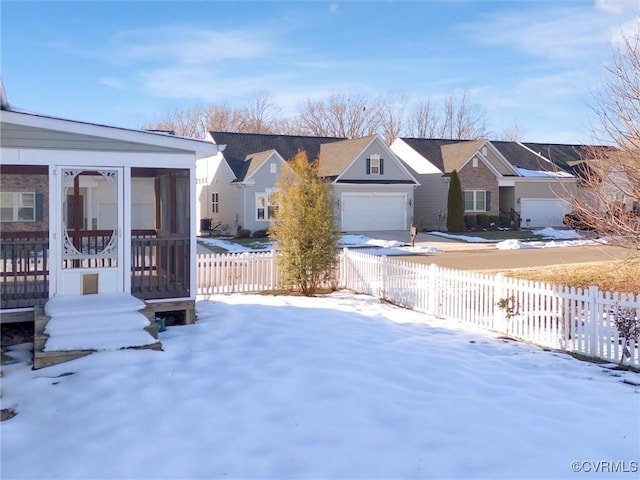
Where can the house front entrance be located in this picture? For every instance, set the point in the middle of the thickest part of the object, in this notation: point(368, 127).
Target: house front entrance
point(90, 230)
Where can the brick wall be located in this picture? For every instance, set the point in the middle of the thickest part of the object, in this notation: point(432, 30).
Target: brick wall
point(481, 178)
point(38, 184)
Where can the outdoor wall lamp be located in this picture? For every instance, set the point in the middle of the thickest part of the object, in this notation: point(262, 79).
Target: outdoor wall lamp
point(409, 202)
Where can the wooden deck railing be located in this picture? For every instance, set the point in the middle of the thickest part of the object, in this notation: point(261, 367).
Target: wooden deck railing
point(24, 269)
point(160, 265)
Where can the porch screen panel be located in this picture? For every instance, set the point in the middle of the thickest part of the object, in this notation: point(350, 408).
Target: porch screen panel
point(90, 237)
point(161, 259)
point(183, 218)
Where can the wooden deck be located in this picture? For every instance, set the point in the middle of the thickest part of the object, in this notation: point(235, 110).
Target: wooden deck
point(160, 267)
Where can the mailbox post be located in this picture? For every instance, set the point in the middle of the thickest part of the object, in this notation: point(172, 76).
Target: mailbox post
point(413, 233)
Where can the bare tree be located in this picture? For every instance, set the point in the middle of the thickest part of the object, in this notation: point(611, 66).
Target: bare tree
point(424, 120)
point(261, 115)
point(289, 126)
point(185, 123)
point(392, 111)
point(513, 133)
point(341, 115)
point(463, 120)
point(220, 117)
point(458, 119)
point(609, 194)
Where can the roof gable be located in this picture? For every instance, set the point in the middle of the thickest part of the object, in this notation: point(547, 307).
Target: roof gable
point(336, 157)
point(239, 146)
point(455, 155)
point(256, 160)
point(346, 162)
point(448, 154)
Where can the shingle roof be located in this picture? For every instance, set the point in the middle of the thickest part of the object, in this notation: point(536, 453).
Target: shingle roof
point(522, 157)
point(534, 157)
point(454, 155)
point(430, 149)
point(241, 147)
point(564, 156)
point(335, 157)
point(254, 160)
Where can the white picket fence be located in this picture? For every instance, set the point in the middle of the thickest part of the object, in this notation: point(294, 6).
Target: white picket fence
point(569, 319)
point(236, 273)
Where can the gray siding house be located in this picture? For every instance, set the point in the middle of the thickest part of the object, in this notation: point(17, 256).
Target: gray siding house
point(372, 187)
point(534, 183)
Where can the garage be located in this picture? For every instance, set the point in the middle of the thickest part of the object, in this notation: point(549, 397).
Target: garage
point(543, 212)
point(374, 212)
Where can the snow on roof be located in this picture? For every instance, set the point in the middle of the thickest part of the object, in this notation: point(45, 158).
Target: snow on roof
point(542, 174)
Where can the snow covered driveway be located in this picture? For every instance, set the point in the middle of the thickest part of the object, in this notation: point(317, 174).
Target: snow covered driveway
point(335, 387)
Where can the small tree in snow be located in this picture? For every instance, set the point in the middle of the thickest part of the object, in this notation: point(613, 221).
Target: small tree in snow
point(455, 209)
point(303, 227)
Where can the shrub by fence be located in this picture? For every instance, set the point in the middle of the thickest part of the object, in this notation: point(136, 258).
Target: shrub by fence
point(574, 320)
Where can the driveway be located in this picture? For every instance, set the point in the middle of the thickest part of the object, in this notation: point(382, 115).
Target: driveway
point(485, 256)
point(424, 239)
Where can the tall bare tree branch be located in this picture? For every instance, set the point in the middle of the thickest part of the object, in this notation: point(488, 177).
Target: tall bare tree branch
point(609, 201)
point(341, 115)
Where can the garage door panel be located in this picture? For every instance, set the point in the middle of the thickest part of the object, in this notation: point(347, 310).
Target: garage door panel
point(373, 212)
point(547, 212)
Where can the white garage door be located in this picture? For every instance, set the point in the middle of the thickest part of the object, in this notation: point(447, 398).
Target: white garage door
point(546, 212)
point(374, 212)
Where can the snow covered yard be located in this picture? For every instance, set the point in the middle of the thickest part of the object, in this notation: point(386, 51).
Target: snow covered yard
point(552, 238)
point(330, 387)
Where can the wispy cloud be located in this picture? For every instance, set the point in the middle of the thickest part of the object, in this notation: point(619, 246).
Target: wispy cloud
point(559, 35)
point(178, 61)
point(566, 33)
point(186, 45)
point(617, 6)
point(180, 44)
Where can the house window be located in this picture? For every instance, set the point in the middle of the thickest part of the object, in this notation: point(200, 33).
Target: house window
point(215, 205)
point(375, 165)
point(475, 201)
point(273, 168)
point(17, 207)
point(266, 206)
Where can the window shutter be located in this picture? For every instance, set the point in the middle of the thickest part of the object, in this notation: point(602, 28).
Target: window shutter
point(39, 206)
point(368, 166)
point(488, 200)
point(381, 166)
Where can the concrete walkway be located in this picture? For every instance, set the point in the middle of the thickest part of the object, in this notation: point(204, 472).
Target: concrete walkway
point(485, 256)
point(427, 240)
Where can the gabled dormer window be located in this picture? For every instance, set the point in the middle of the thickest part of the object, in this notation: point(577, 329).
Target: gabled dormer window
point(375, 165)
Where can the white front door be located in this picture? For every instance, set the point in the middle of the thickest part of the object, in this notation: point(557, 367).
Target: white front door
point(90, 231)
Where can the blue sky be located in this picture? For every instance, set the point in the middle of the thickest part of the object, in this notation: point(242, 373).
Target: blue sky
point(530, 63)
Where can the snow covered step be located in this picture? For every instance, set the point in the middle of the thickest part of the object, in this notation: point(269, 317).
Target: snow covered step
point(68, 323)
point(99, 341)
point(81, 323)
point(90, 304)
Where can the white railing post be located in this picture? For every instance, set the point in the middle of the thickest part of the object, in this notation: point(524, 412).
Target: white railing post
point(500, 293)
point(594, 319)
point(384, 273)
point(343, 269)
point(432, 285)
